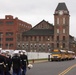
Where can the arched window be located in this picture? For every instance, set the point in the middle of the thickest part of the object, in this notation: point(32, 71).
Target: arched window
point(57, 38)
point(63, 30)
point(63, 20)
point(63, 45)
point(57, 20)
point(57, 30)
point(57, 45)
point(63, 38)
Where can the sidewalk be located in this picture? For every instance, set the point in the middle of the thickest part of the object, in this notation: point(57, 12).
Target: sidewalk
point(37, 61)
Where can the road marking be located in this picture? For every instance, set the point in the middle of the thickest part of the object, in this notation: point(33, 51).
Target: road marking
point(67, 70)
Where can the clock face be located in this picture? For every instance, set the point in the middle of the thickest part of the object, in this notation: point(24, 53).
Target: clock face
point(60, 12)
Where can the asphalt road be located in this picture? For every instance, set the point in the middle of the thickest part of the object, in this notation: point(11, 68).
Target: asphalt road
point(53, 68)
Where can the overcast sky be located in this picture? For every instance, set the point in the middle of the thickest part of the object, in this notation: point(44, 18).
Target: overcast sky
point(34, 11)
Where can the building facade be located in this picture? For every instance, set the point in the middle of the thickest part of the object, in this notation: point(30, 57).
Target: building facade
point(61, 27)
point(44, 37)
point(40, 38)
point(10, 31)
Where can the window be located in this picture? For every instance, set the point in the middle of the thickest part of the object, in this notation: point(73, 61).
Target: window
point(27, 45)
point(57, 38)
point(9, 22)
point(48, 45)
point(43, 45)
point(31, 45)
point(66, 12)
point(39, 45)
point(1, 33)
point(1, 36)
point(42, 26)
point(44, 38)
point(57, 30)
point(63, 45)
point(52, 38)
point(39, 38)
point(63, 38)
point(23, 44)
point(57, 20)
point(1, 45)
point(52, 44)
point(11, 45)
point(1, 39)
point(9, 33)
point(7, 17)
point(35, 38)
point(1, 22)
point(56, 12)
point(34, 45)
point(57, 45)
point(63, 20)
point(8, 45)
point(63, 30)
point(30, 38)
point(9, 39)
point(55, 52)
point(27, 38)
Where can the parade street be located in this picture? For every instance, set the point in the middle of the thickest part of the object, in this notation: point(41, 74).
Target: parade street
point(53, 68)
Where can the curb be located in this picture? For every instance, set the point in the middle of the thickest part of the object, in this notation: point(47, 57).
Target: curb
point(39, 61)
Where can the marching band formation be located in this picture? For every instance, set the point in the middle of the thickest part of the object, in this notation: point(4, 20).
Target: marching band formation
point(15, 65)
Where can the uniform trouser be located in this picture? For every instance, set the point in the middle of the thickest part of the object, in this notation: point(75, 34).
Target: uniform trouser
point(17, 72)
point(24, 71)
point(7, 73)
point(1, 72)
point(1, 69)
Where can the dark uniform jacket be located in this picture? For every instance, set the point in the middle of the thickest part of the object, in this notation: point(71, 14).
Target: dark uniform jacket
point(2, 62)
point(8, 63)
point(16, 62)
point(24, 60)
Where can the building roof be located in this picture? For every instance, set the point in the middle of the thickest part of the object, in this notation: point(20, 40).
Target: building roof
point(51, 25)
point(61, 6)
point(39, 32)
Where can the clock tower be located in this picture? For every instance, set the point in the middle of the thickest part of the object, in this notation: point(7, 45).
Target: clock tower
point(61, 27)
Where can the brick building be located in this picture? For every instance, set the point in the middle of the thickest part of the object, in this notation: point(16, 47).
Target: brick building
point(44, 36)
point(61, 27)
point(39, 38)
point(10, 31)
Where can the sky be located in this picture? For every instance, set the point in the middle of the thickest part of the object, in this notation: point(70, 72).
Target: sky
point(34, 11)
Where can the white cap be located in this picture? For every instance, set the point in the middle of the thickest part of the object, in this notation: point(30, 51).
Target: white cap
point(3, 51)
point(0, 48)
point(23, 51)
